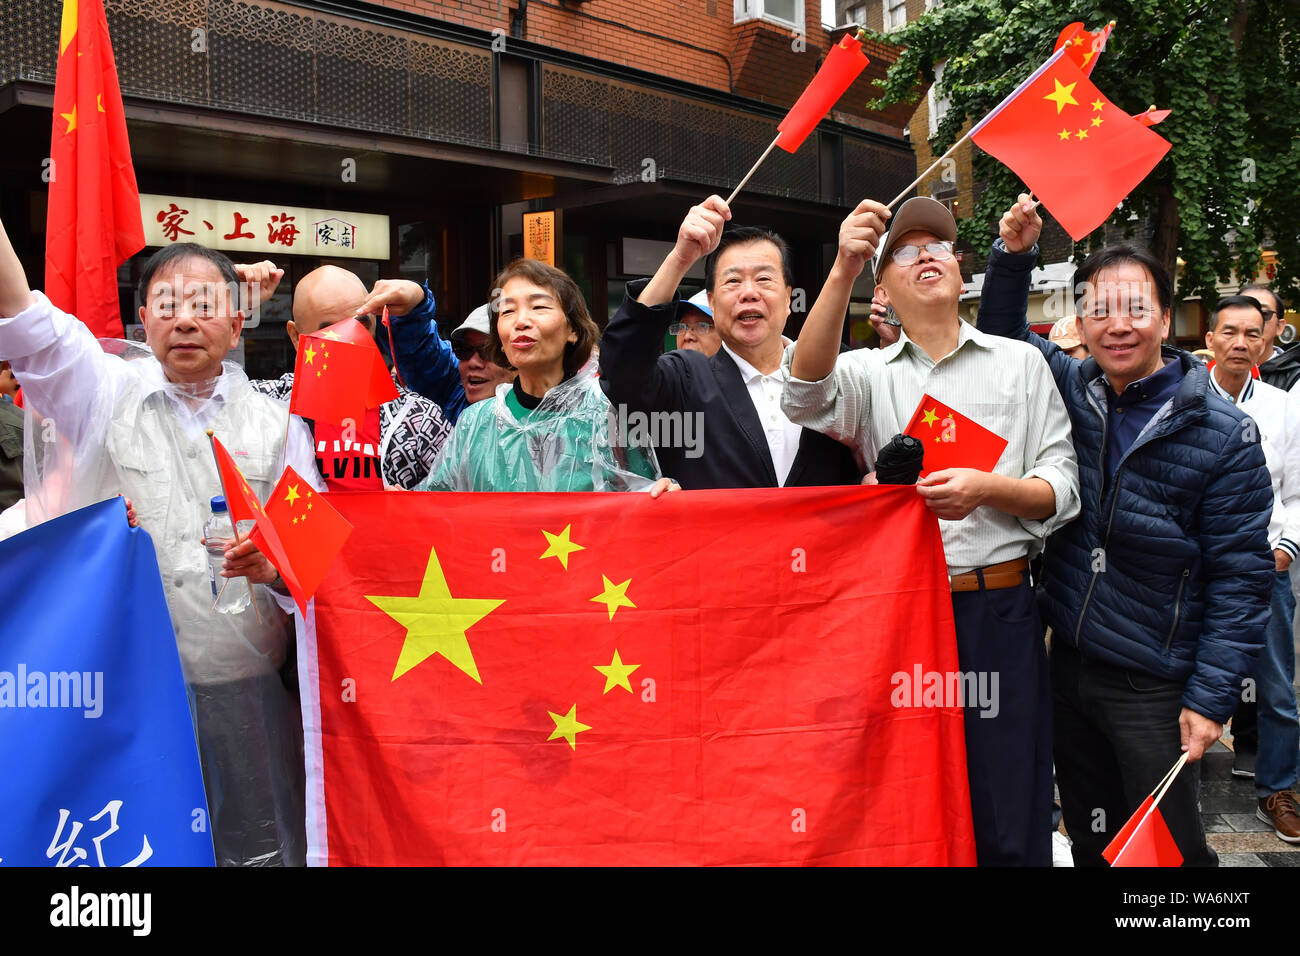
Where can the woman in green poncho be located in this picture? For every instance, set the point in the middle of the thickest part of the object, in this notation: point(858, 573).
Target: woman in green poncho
point(553, 429)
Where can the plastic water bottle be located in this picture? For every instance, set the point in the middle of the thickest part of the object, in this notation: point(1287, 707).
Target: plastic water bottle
point(217, 531)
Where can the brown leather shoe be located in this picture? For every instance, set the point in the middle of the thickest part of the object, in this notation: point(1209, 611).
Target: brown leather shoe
point(1279, 811)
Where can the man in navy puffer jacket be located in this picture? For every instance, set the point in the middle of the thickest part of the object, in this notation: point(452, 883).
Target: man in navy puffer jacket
point(1158, 593)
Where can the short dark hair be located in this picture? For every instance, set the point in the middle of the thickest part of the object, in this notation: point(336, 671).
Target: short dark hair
point(743, 236)
point(1119, 254)
point(1235, 302)
point(1265, 287)
point(572, 304)
point(168, 255)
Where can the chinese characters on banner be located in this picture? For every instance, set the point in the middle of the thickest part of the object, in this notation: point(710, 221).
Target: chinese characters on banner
point(262, 229)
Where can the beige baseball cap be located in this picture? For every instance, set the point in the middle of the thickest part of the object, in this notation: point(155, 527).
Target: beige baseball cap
point(1065, 333)
point(919, 212)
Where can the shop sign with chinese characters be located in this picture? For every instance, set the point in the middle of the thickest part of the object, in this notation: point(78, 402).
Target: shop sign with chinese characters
point(256, 228)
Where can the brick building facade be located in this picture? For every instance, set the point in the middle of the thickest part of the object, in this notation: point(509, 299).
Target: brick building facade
point(455, 119)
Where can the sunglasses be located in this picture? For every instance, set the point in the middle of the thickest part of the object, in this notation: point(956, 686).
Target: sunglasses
point(465, 352)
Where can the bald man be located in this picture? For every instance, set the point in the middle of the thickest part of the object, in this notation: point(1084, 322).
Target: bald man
point(396, 444)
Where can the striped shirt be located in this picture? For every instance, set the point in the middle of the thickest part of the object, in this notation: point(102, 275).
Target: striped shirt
point(1002, 384)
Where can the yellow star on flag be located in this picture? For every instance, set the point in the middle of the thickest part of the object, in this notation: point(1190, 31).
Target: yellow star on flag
point(435, 621)
point(1082, 134)
point(614, 596)
point(1097, 105)
point(616, 673)
point(295, 521)
point(99, 101)
point(567, 727)
point(1096, 121)
point(1064, 134)
point(309, 354)
point(1078, 41)
point(1088, 56)
point(929, 418)
point(293, 495)
point(1062, 95)
point(67, 26)
point(559, 546)
point(71, 118)
point(330, 334)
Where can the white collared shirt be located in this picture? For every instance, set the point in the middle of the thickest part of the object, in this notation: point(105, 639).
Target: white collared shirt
point(1002, 384)
point(765, 392)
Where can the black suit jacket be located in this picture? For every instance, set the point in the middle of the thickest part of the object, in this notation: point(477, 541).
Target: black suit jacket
point(733, 447)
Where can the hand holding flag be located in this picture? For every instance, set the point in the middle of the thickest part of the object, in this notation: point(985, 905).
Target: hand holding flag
point(339, 374)
point(301, 534)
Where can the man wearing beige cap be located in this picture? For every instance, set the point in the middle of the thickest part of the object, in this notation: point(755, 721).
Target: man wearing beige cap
point(991, 522)
point(1065, 336)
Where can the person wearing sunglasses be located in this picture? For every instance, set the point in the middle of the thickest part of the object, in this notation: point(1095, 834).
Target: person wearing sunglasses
point(694, 326)
point(479, 374)
point(991, 522)
point(1279, 367)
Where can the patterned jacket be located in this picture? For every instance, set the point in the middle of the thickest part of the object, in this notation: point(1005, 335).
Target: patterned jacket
point(413, 429)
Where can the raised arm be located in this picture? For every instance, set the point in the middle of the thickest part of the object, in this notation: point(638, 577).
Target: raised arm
point(632, 372)
point(819, 340)
point(66, 376)
point(423, 358)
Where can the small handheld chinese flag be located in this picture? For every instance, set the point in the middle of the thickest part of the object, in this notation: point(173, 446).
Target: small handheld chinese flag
point(339, 374)
point(843, 65)
point(1082, 46)
point(1145, 839)
point(301, 534)
point(1076, 150)
point(240, 499)
point(951, 439)
point(93, 214)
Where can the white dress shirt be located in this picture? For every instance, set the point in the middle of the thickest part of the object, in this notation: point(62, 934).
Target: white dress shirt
point(765, 392)
point(1002, 384)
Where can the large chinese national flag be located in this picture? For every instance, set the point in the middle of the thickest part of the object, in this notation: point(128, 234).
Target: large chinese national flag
point(1079, 153)
point(93, 222)
point(706, 678)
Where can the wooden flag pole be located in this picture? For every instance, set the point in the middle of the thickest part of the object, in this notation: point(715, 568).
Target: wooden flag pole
point(235, 527)
point(753, 169)
point(917, 181)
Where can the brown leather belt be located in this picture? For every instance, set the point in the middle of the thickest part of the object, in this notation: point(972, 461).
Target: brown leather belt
point(995, 577)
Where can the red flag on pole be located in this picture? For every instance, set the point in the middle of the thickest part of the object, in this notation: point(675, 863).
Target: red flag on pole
point(1145, 840)
point(241, 501)
point(587, 679)
point(952, 440)
point(1083, 47)
point(842, 66)
point(93, 222)
point(1077, 151)
point(338, 374)
point(300, 534)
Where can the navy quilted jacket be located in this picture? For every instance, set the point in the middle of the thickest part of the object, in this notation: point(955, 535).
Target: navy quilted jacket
point(1167, 571)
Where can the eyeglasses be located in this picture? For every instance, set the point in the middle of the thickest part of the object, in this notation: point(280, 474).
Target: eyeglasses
point(699, 328)
point(1269, 314)
point(465, 352)
point(906, 255)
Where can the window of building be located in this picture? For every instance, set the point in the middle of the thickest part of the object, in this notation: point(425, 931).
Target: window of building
point(938, 105)
point(857, 15)
point(895, 14)
point(788, 13)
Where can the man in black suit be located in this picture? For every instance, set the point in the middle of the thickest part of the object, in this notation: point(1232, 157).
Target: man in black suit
point(744, 439)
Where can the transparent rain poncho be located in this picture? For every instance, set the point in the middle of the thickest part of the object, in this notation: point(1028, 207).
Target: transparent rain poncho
point(573, 441)
point(103, 420)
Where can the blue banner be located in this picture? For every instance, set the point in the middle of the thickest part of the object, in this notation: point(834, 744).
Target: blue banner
point(98, 762)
